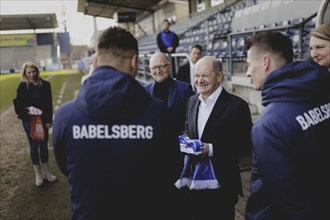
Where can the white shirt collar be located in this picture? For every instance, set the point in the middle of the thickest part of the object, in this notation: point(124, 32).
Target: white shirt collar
point(213, 97)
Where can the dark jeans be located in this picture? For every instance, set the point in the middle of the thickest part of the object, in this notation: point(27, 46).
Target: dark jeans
point(36, 144)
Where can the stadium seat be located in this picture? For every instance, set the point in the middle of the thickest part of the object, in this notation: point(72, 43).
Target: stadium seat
point(223, 49)
point(241, 52)
point(295, 30)
point(285, 30)
point(272, 25)
point(309, 26)
point(306, 43)
point(295, 43)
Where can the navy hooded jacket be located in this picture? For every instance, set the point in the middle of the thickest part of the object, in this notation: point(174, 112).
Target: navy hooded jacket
point(115, 144)
point(291, 142)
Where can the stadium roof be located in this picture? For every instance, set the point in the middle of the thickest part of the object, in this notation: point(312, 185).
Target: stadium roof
point(108, 8)
point(28, 21)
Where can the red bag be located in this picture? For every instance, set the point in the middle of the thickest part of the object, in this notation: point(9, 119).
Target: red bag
point(37, 129)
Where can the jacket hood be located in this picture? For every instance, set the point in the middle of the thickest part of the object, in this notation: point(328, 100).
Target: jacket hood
point(112, 96)
point(301, 81)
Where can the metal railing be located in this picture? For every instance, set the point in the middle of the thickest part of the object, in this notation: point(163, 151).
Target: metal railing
point(299, 26)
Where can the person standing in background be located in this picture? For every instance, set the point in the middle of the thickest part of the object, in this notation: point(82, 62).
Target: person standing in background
point(290, 139)
point(167, 42)
point(35, 92)
point(173, 92)
point(186, 71)
point(320, 45)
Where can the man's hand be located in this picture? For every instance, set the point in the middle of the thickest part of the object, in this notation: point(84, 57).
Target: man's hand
point(201, 156)
point(205, 151)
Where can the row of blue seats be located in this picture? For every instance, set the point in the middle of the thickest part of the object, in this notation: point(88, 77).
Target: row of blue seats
point(220, 47)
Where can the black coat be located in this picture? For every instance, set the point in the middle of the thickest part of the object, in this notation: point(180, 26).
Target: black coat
point(228, 128)
point(39, 97)
point(184, 73)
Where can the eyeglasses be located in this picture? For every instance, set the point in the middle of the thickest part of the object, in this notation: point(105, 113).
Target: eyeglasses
point(161, 67)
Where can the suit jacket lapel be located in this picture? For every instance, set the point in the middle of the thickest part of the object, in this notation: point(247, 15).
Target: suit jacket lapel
point(193, 130)
point(217, 109)
point(152, 88)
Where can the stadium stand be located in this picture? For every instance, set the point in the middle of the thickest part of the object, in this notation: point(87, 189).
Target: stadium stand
point(223, 30)
point(212, 28)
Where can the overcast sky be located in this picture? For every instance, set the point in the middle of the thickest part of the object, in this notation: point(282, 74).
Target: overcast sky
point(79, 25)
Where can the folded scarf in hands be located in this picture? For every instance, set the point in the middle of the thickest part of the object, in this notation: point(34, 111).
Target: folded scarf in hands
point(195, 147)
point(196, 174)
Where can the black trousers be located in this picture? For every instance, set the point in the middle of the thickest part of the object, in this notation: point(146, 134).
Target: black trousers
point(209, 204)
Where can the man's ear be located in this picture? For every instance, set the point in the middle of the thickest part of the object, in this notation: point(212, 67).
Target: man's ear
point(170, 66)
point(266, 61)
point(220, 76)
point(134, 64)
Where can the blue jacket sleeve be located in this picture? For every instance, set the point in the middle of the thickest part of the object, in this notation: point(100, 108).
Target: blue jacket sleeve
point(58, 139)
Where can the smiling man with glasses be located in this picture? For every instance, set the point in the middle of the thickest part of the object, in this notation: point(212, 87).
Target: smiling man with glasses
point(174, 93)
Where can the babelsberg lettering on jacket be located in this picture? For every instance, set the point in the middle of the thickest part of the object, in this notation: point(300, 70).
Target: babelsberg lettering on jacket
point(314, 116)
point(112, 132)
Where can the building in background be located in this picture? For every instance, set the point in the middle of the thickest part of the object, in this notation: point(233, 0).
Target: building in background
point(32, 37)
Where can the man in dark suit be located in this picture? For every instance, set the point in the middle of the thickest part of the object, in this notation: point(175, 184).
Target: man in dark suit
point(222, 121)
point(186, 71)
point(174, 93)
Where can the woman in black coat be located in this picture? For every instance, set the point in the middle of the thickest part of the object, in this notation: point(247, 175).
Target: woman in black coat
point(35, 92)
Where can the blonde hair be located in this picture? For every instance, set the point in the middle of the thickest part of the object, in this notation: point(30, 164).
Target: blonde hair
point(322, 32)
point(24, 77)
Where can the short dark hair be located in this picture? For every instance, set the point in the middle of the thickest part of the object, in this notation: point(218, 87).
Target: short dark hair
point(197, 46)
point(117, 41)
point(166, 20)
point(274, 42)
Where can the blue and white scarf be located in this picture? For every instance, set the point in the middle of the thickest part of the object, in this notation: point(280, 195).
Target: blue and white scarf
point(199, 175)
